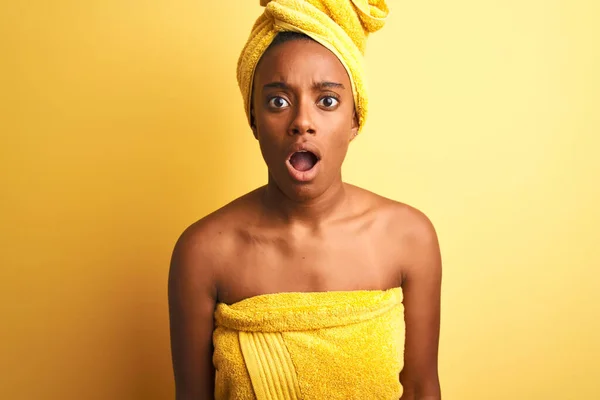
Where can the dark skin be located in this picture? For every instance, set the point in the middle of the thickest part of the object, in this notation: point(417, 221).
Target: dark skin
point(310, 236)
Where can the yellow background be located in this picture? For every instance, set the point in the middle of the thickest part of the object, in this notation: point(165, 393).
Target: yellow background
point(121, 123)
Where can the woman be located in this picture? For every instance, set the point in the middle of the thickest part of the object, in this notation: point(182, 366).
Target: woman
point(307, 287)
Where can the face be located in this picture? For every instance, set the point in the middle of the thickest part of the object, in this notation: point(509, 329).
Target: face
point(303, 117)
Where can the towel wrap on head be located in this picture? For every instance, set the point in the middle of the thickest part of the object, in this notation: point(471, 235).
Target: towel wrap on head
point(342, 26)
point(317, 345)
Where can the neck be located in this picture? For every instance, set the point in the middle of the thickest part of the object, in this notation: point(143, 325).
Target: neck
point(313, 211)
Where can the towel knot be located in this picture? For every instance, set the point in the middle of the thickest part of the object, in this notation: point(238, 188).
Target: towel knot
point(372, 13)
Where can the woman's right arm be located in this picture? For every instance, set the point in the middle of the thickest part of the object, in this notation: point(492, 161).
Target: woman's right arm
point(192, 296)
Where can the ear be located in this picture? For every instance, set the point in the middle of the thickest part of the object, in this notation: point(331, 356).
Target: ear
point(354, 129)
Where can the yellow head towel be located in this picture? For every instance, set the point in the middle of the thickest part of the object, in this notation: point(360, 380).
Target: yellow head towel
point(318, 345)
point(342, 26)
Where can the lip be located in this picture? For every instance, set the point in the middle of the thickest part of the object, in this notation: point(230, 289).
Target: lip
point(303, 176)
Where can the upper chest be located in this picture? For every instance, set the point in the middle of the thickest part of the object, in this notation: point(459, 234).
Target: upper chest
point(350, 257)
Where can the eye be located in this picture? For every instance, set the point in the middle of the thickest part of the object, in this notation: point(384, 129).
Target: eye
point(329, 102)
point(278, 102)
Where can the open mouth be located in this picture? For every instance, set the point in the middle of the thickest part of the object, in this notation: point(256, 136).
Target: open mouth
point(303, 160)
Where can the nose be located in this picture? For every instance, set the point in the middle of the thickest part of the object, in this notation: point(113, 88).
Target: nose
point(302, 122)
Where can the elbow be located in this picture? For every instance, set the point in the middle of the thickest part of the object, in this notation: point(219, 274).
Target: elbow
point(420, 388)
point(417, 394)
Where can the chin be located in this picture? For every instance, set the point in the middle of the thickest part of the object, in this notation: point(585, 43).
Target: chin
point(299, 191)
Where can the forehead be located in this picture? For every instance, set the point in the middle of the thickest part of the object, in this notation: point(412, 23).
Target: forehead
point(300, 62)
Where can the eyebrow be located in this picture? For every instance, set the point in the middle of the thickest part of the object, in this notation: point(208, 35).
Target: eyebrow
point(317, 85)
point(328, 85)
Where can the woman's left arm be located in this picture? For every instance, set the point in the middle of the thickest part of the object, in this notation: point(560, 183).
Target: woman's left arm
point(421, 285)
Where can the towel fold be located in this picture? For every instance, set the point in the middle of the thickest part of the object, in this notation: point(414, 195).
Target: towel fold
point(342, 26)
point(317, 345)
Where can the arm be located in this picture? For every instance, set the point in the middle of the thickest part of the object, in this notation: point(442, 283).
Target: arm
point(422, 286)
point(192, 298)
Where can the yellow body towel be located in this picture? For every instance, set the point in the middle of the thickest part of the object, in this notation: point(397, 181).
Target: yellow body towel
point(340, 25)
point(317, 345)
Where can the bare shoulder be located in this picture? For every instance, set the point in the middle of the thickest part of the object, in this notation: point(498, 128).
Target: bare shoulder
point(405, 229)
point(401, 220)
point(211, 238)
point(413, 227)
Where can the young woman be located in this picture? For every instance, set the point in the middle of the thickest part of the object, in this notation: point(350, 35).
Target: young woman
point(307, 287)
